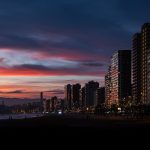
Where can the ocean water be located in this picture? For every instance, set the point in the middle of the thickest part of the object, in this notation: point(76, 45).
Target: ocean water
point(19, 116)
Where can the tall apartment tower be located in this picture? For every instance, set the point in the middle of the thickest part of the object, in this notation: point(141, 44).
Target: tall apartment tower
point(75, 94)
point(90, 93)
point(136, 68)
point(41, 97)
point(107, 87)
point(68, 99)
point(82, 97)
point(120, 87)
point(145, 94)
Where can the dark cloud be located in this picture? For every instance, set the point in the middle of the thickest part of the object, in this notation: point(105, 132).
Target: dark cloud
point(46, 68)
point(35, 70)
point(89, 26)
point(84, 31)
point(12, 92)
point(32, 67)
point(56, 92)
point(92, 64)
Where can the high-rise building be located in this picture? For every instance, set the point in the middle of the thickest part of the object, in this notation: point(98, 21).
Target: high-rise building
point(148, 78)
point(47, 105)
point(41, 97)
point(75, 94)
point(53, 103)
point(100, 96)
point(145, 33)
point(68, 92)
point(120, 87)
point(42, 102)
point(82, 97)
point(90, 93)
point(107, 87)
point(114, 95)
point(136, 68)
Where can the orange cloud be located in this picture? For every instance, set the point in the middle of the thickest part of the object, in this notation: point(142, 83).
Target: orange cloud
point(45, 71)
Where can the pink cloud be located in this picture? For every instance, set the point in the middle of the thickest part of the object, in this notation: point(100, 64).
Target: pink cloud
point(39, 71)
point(71, 56)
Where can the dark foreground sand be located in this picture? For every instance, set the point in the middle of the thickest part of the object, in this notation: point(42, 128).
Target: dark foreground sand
point(75, 126)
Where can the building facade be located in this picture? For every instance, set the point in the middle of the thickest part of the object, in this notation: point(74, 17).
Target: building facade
point(136, 68)
point(75, 94)
point(100, 96)
point(119, 81)
point(90, 93)
point(114, 87)
point(82, 97)
point(107, 87)
point(68, 98)
point(145, 63)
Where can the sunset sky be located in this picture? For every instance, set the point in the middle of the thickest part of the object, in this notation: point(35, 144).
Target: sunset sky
point(45, 44)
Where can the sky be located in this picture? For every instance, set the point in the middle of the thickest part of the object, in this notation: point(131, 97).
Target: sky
point(45, 44)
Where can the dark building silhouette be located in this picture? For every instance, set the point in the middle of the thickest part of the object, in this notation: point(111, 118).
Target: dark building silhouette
point(3, 108)
point(145, 33)
point(68, 99)
point(53, 103)
point(100, 96)
point(141, 66)
point(47, 105)
point(82, 97)
point(136, 68)
point(120, 76)
point(90, 93)
point(62, 104)
point(41, 97)
point(75, 94)
point(42, 103)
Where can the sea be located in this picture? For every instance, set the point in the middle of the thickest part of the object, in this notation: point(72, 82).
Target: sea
point(19, 116)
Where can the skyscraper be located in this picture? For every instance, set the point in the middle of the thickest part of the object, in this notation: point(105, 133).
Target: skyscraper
point(120, 75)
point(90, 93)
point(107, 87)
point(82, 97)
point(42, 101)
point(114, 87)
point(136, 68)
point(75, 94)
point(145, 63)
point(68, 99)
point(41, 97)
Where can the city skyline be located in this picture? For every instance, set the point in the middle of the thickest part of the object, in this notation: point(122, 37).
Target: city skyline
point(45, 45)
